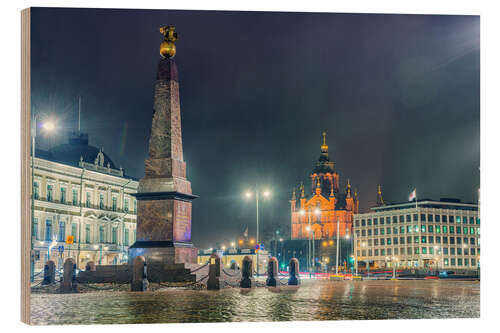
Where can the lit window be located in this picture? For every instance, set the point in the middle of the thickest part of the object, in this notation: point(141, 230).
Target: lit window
point(48, 230)
point(49, 193)
point(101, 234)
point(87, 233)
point(62, 231)
point(34, 231)
point(74, 197)
point(73, 230)
point(63, 194)
point(36, 190)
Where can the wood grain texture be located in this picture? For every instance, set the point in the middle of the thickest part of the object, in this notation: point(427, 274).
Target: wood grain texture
point(25, 164)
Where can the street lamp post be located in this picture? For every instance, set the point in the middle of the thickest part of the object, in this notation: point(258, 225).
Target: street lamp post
point(266, 194)
point(395, 260)
point(309, 230)
point(438, 252)
point(49, 127)
point(339, 255)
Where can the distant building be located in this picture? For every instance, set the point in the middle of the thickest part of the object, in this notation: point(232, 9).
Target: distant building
point(236, 255)
point(429, 234)
point(324, 253)
point(79, 191)
point(325, 208)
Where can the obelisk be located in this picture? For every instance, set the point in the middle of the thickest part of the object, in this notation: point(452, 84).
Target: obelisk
point(164, 194)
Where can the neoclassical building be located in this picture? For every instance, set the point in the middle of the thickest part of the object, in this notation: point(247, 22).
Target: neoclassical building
point(79, 191)
point(325, 206)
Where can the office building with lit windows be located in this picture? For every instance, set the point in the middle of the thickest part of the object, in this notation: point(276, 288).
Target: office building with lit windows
point(427, 234)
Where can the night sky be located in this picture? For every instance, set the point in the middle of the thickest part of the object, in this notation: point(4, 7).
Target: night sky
point(398, 96)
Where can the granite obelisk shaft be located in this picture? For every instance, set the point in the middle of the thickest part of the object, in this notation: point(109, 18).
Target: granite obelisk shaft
point(164, 195)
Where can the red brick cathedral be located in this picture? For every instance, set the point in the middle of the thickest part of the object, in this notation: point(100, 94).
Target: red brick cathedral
point(325, 206)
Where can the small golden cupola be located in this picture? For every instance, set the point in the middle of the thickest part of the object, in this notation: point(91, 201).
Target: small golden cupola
point(348, 188)
point(318, 187)
point(324, 146)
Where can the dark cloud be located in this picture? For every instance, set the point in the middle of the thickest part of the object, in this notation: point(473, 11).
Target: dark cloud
point(397, 94)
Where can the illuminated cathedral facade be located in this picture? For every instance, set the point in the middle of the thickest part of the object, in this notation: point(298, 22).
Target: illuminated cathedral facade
point(326, 208)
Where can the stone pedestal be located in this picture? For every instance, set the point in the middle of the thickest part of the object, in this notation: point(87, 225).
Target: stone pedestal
point(68, 284)
point(214, 270)
point(49, 273)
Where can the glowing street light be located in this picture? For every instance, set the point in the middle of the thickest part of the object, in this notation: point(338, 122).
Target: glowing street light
point(48, 126)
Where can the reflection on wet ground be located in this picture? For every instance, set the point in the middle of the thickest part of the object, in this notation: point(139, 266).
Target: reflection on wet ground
point(314, 300)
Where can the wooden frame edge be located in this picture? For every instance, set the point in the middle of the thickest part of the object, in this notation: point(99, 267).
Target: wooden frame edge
point(25, 169)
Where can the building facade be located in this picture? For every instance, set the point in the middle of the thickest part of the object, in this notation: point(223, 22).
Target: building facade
point(237, 255)
point(326, 208)
point(427, 234)
point(79, 192)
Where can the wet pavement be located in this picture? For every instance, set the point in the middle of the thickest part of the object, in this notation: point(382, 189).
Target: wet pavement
point(314, 300)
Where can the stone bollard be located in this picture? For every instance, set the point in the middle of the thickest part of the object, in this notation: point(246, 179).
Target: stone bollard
point(90, 266)
point(139, 275)
point(49, 273)
point(214, 269)
point(247, 280)
point(294, 279)
point(272, 272)
point(68, 284)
